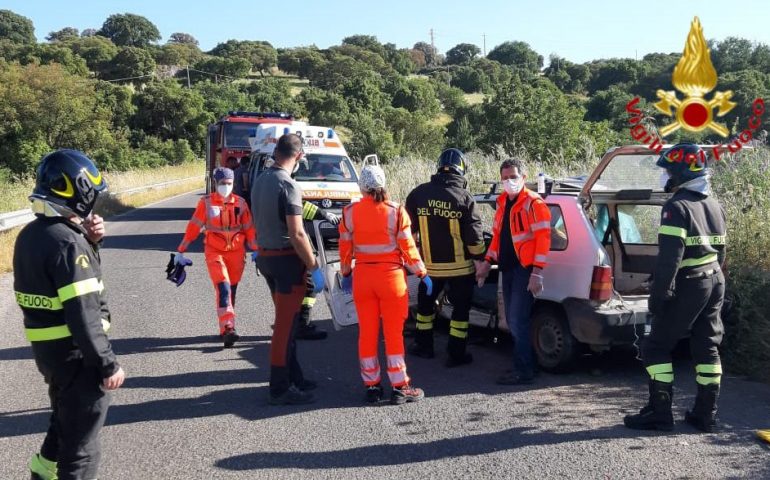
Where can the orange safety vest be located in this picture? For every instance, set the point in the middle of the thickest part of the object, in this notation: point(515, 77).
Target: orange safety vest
point(226, 224)
point(530, 222)
point(378, 232)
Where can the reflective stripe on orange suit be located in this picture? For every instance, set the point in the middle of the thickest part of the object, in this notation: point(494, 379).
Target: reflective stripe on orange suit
point(530, 222)
point(378, 235)
point(228, 229)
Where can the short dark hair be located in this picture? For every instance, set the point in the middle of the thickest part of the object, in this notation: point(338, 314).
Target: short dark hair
point(288, 145)
point(516, 163)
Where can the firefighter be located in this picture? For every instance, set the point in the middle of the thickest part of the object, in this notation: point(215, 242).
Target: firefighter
point(687, 292)
point(521, 238)
point(285, 255)
point(228, 229)
point(377, 234)
point(444, 215)
point(58, 285)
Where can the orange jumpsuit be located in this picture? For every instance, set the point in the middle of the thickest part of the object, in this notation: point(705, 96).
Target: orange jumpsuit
point(228, 228)
point(379, 236)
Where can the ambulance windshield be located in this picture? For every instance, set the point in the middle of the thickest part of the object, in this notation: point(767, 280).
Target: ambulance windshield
point(330, 168)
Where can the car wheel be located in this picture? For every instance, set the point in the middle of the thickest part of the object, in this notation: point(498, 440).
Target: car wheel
point(553, 343)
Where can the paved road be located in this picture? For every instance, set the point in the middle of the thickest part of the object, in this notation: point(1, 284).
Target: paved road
point(193, 410)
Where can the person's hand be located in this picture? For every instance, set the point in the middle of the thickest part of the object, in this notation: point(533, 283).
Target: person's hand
point(318, 279)
point(347, 284)
point(535, 285)
point(330, 217)
point(482, 271)
point(180, 259)
point(428, 285)
point(115, 381)
point(254, 256)
point(94, 226)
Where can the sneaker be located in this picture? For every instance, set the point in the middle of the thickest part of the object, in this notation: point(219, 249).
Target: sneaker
point(374, 393)
point(419, 350)
point(515, 379)
point(306, 385)
point(292, 396)
point(230, 337)
point(310, 332)
point(454, 361)
point(406, 394)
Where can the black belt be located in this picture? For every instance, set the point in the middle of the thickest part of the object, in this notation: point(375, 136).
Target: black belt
point(703, 274)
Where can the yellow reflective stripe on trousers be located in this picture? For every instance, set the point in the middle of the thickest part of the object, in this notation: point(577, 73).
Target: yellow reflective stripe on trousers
point(458, 333)
point(705, 240)
point(709, 368)
point(308, 301)
point(39, 302)
point(694, 262)
point(673, 231)
point(662, 372)
point(424, 322)
point(77, 289)
point(708, 374)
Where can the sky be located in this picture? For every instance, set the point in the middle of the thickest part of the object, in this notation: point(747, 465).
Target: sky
point(579, 30)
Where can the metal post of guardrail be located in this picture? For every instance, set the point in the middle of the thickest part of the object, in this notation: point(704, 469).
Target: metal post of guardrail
point(22, 217)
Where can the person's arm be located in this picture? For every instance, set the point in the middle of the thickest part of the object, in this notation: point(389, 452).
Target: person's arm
point(346, 242)
point(247, 224)
point(494, 247)
point(194, 226)
point(671, 238)
point(472, 230)
point(292, 200)
point(541, 229)
point(79, 289)
point(406, 244)
point(412, 211)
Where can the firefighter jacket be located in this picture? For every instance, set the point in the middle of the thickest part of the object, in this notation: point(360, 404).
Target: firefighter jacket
point(691, 239)
point(226, 223)
point(444, 215)
point(378, 232)
point(58, 285)
point(530, 221)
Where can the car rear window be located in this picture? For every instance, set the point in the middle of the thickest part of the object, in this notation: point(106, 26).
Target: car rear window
point(559, 238)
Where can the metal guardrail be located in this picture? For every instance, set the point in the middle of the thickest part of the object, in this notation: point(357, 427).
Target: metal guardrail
point(20, 218)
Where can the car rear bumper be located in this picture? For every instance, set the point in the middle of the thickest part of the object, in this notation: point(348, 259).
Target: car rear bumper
point(612, 323)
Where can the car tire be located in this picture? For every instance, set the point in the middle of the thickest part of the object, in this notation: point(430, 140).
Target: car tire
point(554, 346)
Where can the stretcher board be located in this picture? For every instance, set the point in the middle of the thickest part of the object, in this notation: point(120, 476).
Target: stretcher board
point(341, 305)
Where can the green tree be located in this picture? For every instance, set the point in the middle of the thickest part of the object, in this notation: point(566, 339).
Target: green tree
point(129, 30)
point(414, 134)
point(462, 53)
point(366, 42)
point(617, 71)
point(170, 112)
point(517, 54)
point(747, 85)
point(56, 53)
point(324, 107)
point(179, 54)
point(399, 59)
point(219, 98)
point(300, 61)
point(610, 105)
point(96, 50)
point(463, 132)
point(429, 52)
point(65, 33)
point(118, 100)
point(89, 32)
point(418, 95)
point(469, 79)
point(183, 38)
point(732, 54)
point(16, 28)
point(452, 99)
point(272, 94)
point(131, 62)
point(370, 135)
point(219, 69)
point(260, 55)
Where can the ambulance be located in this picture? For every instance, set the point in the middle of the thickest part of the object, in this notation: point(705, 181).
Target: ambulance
point(326, 174)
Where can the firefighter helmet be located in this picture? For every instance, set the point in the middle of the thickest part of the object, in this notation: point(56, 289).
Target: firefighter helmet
point(684, 162)
point(70, 179)
point(452, 160)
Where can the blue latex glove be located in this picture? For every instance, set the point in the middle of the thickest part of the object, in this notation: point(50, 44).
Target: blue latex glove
point(318, 280)
point(347, 284)
point(428, 284)
point(254, 256)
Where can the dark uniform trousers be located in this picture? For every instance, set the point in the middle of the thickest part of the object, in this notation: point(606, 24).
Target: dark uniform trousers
point(285, 274)
point(695, 309)
point(459, 293)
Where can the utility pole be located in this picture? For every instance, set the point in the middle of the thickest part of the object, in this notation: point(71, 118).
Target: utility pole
point(188, 76)
point(484, 36)
point(432, 42)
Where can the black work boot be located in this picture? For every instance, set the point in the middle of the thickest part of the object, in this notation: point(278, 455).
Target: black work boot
point(373, 393)
point(423, 344)
point(703, 414)
point(656, 415)
point(230, 337)
point(292, 396)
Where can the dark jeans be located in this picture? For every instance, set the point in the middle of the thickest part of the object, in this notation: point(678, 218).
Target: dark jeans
point(518, 306)
point(284, 273)
point(79, 409)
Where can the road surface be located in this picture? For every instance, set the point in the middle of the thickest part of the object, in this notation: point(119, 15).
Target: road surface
point(190, 409)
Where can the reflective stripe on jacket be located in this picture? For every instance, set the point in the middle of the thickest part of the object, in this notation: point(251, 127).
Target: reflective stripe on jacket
point(530, 221)
point(226, 224)
point(378, 232)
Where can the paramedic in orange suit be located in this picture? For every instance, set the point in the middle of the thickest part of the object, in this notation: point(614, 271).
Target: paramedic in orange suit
point(226, 221)
point(377, 234)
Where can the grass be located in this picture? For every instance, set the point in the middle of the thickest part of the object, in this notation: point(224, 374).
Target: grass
point(108, 206)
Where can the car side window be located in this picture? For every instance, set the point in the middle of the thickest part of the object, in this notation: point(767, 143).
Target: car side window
point(639, 223)
point(559, 239)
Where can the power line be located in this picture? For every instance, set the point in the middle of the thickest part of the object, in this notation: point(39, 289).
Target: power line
point(131, 78)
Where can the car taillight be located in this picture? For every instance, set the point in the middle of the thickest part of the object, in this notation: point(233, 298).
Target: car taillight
point(601, 283)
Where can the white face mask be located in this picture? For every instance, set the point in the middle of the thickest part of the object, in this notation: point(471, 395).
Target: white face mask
point(512, 187)
point(225, 190)
point(664, 179)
